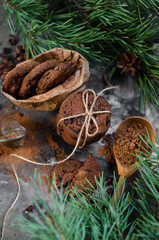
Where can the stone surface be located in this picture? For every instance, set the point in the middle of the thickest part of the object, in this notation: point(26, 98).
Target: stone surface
point(124, 103)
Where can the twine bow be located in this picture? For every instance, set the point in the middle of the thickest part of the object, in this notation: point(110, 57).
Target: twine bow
point(88, 114)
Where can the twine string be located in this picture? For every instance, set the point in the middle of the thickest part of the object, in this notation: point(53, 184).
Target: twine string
point(88, 114)
point(12, 206)
point(36, 163)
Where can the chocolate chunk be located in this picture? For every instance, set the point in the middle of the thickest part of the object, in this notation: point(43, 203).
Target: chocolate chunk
point(6, 50)
point(75, 130)
point(5, 58)
point(107, 121)
point(71, 120)
point(20, 58)
point(12, 41)
point(66, 122)
point(1, 66)
point(80, 121)
point(20, 49)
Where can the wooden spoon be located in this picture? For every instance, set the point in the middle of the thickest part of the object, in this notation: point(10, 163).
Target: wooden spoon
point(127, 170)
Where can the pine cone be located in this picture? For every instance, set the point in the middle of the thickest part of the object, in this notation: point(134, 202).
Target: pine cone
point(128, 62)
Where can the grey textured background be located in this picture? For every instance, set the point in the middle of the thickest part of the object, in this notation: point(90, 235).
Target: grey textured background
point(123, 102)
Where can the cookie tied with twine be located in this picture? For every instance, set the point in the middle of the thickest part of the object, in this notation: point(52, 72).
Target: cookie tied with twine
point(83, 114)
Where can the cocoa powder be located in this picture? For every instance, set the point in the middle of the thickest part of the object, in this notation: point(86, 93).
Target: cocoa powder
point(127, 143)
point(107, 149)
point(37, 140)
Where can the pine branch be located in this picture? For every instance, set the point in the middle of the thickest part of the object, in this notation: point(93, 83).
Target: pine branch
point(93, 214)
point(148, 191)
point(100, 30)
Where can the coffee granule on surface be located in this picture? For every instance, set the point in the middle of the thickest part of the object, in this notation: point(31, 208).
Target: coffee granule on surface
point(127, 142)
point(59, 151)
point(8, 60)
point(107, 149)
point(13, 41)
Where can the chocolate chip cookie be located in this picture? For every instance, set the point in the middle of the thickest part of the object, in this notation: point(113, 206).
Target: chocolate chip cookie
point(30, 81)
point(13, 80)
point(70, 128)
point(56, 76)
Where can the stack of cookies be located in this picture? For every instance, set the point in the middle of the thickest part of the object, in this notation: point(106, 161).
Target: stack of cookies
point(35, 78)
point(43, 82)
point(69, 129)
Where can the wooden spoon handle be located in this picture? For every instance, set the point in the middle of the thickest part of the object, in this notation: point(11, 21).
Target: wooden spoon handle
point(119, 188)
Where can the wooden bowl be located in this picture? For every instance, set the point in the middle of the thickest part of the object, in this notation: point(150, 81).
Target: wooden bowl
point(124, 170)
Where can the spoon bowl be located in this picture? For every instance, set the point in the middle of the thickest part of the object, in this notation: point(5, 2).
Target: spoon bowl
point(123, 169)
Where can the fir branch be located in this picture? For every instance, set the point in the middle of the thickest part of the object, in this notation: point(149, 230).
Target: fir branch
point(93, 214)
point(148, 190)
point(100, 30)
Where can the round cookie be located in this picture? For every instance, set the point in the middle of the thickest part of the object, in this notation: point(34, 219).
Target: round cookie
point(56, 76)
point(13, 80)
point(30, 81)
point(69, 129)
